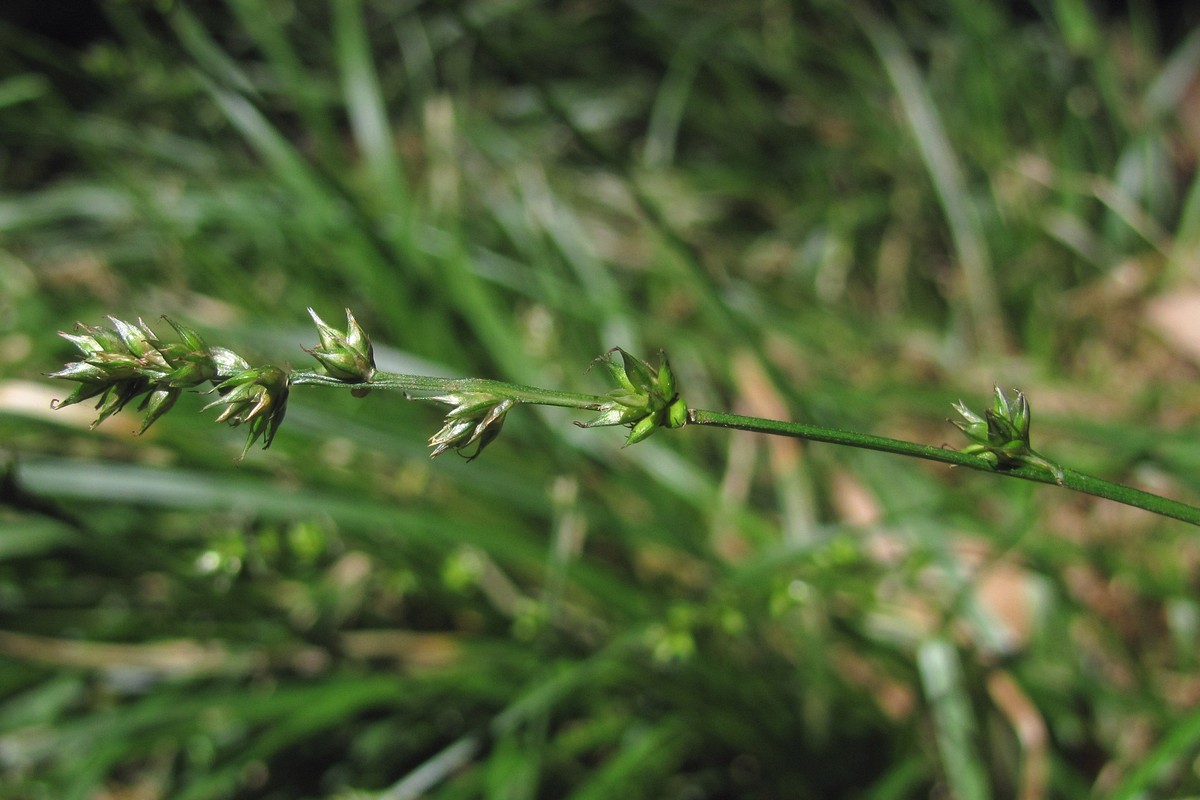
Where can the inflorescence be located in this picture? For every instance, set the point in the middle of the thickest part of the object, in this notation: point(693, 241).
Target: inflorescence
point(128, 361)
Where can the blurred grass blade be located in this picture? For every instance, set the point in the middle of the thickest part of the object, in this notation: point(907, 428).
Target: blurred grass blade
point(538, 699)
point(259, 20)
point(1187, 238)
point(206, 52)
point(23, 537)
point(1167, 98)
point(275, 149)
point(947, 176)
point(365, 104)
point(323, 205)
point(902, 781)
point(19, 89)
point(954, 723)
point(1078, 25)
point(513, 767)
point(1168, 93)
point(185, 489)
point(662, 131)
point(553, 218)
point(1178, 747)
point(643, 753)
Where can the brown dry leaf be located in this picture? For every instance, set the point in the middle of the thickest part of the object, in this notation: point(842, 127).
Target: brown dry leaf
point(1188, 112)
point(759, 398)
point(1005, 592)
point(1030, 729)
point(176, 657)
point(896, 699)
point(413, 650)
point(1176, 318)
point(855, 503)
point(34, 401)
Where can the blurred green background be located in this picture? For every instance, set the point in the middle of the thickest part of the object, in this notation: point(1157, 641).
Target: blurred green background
point(823, 212)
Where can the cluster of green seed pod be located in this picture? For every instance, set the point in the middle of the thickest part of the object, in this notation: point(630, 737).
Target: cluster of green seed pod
point(349, 357)
point(1001, 436)
point(646, 400)
point(475, 421)
point(128, 361)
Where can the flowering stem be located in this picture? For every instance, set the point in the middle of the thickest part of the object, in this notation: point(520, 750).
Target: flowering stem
point(129, 361)
point(422, 384)
point(1071, 479)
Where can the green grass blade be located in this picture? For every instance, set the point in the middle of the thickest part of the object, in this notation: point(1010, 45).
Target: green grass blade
point(955, 727)
point(1178, 746)
point(946, 173)
point(300, 84)
point(366, 105)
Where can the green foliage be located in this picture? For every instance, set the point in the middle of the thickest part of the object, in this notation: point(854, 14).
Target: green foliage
point(824, 216)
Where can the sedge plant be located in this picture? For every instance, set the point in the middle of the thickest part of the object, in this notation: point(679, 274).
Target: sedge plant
point(128, 362)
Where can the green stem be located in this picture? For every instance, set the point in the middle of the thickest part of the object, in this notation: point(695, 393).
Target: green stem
point(122, 364)
point(423, 385)
point(1077, 481)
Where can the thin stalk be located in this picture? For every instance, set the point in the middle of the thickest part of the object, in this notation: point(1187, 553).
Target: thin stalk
point(419, 386)
point(129, 361)
point(1071, 479)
